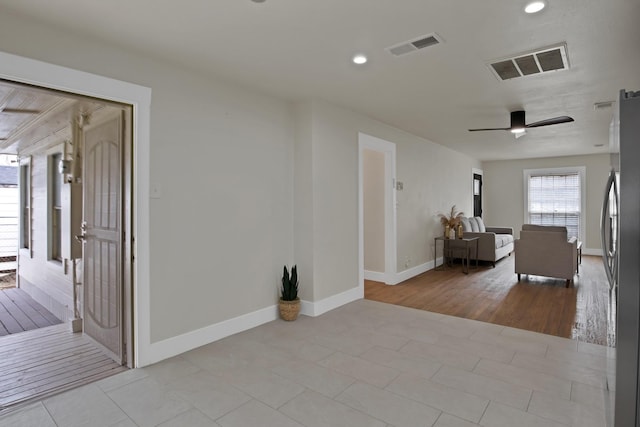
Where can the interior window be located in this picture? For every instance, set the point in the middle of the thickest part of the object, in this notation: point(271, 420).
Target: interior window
point(555, 198)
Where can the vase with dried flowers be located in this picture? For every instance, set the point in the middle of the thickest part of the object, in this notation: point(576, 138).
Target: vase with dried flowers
point(450, 221)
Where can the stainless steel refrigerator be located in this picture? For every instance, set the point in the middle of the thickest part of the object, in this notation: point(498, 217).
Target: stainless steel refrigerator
point(621, 247)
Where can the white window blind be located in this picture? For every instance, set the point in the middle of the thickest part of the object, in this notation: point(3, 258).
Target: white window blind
point(555, 199)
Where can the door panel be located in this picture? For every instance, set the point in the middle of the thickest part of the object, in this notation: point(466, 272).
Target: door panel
point(102, 186)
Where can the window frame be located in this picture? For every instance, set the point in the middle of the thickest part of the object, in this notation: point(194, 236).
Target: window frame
point(26, 195)
point(54, 175)
point(580, 171)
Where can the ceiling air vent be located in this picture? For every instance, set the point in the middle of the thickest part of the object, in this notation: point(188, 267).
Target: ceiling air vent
point(415, 44)
point(551, 58)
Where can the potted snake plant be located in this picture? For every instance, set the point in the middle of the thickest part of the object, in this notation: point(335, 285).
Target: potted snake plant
point(289, 303)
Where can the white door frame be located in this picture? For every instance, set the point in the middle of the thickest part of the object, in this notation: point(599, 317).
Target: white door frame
point(29, 71)
point(390, 247)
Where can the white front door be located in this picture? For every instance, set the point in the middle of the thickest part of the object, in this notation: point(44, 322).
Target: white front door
point(103, 226)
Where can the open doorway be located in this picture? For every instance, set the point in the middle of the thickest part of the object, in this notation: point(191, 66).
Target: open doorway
point(377, 212)
point(74, 228)
point(477, 192)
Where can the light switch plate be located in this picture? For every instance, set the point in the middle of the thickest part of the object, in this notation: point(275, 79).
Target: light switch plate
point(156, 191)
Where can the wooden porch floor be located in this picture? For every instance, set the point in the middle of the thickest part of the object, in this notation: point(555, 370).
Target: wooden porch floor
point(46, 361)
point(19, 312)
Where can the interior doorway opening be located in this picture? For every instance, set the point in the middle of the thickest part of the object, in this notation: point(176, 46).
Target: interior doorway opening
point(477, 193)
point(73, 162)
point(377, 210)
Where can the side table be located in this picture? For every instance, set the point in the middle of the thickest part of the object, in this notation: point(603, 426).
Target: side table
point(452, 246)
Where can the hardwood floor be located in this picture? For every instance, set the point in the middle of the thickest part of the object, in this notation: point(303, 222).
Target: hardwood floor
point(494, 295)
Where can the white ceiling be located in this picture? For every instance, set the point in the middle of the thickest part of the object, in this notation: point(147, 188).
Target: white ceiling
point(300, 49)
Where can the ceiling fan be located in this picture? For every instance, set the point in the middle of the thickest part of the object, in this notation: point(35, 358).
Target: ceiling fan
point(518, 124)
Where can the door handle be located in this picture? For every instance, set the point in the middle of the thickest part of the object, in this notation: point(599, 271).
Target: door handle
point(83, 231)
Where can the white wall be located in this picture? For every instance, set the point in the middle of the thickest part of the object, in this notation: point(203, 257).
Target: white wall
point(222, 157)
point(434, 178)
point(373, 210)
point(504, 191)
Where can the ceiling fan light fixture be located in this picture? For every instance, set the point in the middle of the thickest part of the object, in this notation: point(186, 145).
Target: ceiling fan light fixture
point(535, 6)
point(519, 124)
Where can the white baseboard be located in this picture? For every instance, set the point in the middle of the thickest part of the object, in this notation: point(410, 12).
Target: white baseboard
point(400, 276)
point(317, 308)
point(413, 271)
point(376, 276)
point(177, 345)
point(182, 343)
point(590, 251)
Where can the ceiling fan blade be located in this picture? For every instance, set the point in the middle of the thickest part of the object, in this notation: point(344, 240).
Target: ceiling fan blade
point(19, 111)
point(549, 122)
point(476, 130)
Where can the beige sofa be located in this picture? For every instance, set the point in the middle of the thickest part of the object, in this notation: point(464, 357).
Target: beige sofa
point(494, 242)
point(545, 251)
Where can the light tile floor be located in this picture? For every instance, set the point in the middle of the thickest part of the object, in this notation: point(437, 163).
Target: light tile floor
point(364, 364)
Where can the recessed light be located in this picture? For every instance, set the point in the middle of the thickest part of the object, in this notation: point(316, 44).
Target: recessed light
point(598, 145)
point(517, 130)
point(534, 6)
point(359, 59)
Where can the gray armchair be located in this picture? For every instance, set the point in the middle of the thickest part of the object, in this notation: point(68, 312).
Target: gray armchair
point(545, 251)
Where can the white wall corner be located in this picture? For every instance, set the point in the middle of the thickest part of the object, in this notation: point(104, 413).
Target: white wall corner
point(313, 309)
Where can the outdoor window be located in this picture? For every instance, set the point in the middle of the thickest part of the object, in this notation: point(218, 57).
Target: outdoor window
point(555, 197)
point(55, 178)
point(25, 203)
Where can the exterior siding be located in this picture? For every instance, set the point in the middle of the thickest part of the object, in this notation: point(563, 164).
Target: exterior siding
point(47, 281)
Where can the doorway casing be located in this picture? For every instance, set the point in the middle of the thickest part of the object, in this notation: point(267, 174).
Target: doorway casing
point(368, 142)
point(50, 76)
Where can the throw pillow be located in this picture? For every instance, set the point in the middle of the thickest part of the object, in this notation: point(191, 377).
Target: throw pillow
point(466, 225)
point(474, 225)
point(481, 226)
